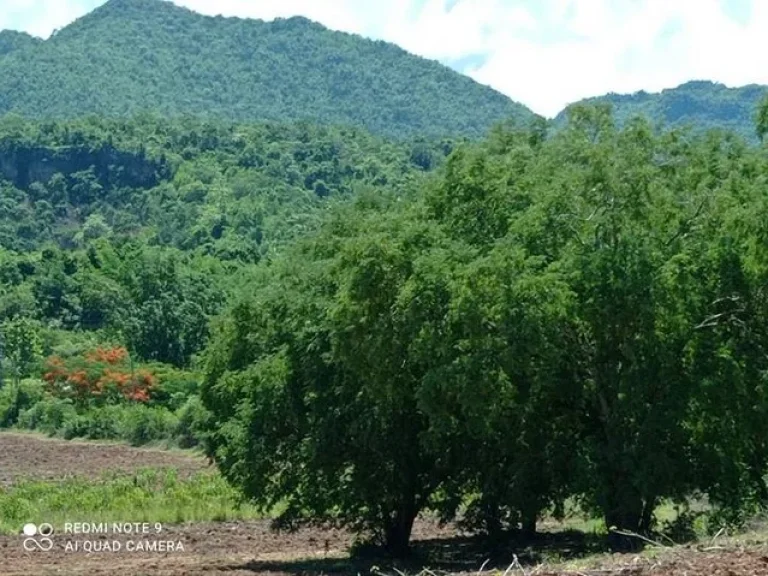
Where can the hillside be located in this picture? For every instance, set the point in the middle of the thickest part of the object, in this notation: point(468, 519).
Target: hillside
point(702, 104)
point(133, 55)
point(89, 206)
point(11, 41)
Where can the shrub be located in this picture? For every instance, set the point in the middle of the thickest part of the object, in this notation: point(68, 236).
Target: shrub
point(192, 421)
point(48, 415)
point(14, 399)
point(173, 386)
point(95, 424)
point(144, 424)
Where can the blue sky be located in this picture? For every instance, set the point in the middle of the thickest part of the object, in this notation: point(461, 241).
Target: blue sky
point(543, 53)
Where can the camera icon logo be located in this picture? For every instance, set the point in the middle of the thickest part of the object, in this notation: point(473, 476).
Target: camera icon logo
point(38, 537)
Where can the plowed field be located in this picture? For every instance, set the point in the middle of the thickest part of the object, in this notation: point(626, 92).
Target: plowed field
point(250, 548)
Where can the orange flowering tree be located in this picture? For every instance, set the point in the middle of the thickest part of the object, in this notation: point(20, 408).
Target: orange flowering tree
point(97, 377)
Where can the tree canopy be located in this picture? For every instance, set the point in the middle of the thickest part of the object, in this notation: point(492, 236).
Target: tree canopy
point(172, 61)
point(700, 104)
point(577, 316)
point(141, 229)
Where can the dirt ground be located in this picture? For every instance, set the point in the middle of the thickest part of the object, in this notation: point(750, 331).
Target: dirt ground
point(251, 548)
point(37, 457)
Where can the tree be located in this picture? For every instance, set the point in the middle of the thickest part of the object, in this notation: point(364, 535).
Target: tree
point(762, 119)
point(317, 387)
point(22, 345)
point(554, 317)
point(95, 226)
point(504, 393)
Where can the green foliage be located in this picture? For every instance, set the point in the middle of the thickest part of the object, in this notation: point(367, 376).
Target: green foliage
point(154, 496)
point(575, 316)
point(50, 415)
point(144, 424)
point(193, 423)
point(701, 105)
point(11, 41)
point(139, 230)
point(761, 120)
point(18, 397)
point(98, 424)
point(170, 60)
point(21, 344)
point(174, 387)
point(136, 424)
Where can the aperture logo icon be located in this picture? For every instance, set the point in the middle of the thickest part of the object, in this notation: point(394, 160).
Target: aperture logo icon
point(38, 537)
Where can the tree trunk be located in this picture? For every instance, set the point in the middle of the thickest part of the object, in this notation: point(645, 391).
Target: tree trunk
point(625, 513)
point(647, 517)
point(529, 524)
point(398, 533)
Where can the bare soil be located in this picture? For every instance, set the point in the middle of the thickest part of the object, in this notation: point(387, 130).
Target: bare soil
point(32, 456)
point(251, 548)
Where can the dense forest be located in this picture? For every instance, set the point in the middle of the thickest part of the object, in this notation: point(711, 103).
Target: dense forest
point(702, 105)
point(130, 235)
point(129, 56)
point(169, 60)
point(377, 313)
point(11, 41)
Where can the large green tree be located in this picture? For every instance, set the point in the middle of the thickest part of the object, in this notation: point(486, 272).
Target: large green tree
point(318, 381)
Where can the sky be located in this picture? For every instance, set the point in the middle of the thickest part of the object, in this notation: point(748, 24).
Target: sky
point(542, 53)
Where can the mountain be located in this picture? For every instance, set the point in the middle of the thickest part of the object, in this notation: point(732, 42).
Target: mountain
point(85, 204)
point(233, 190)
point(702, 104)
point(133, 55)
point(11, 41)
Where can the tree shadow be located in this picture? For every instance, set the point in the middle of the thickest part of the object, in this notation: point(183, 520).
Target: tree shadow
point(446, 555)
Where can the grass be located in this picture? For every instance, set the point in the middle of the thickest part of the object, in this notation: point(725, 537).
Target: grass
point(146, 496)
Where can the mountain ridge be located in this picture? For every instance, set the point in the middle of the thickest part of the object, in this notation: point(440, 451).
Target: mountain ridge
point(161, 57)
point(13, 40)
point(703, 104)
point(165, 58)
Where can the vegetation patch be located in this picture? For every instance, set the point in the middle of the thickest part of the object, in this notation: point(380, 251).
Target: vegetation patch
point(155, 496)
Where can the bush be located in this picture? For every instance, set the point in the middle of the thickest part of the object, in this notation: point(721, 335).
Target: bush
point(192, 421)
point(174, 386)
point(49, 415)
point(134, 423)
point(143, 424)
point(75, 428)
point(14, 399)
point(102, 424)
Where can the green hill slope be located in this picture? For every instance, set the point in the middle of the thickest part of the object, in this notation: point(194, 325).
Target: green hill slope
point(11, 41)
point(86, 206)
point(702, 104)
point(132, 55)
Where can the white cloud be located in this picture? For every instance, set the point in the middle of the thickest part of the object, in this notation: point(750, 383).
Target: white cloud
point(543, 53)
point(41, 17)
point(624, 50)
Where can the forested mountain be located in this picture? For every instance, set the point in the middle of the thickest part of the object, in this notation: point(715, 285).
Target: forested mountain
point(134, 227)
point(11, 41)
point(132, 55)
point(361, 319)
point(700, 104)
